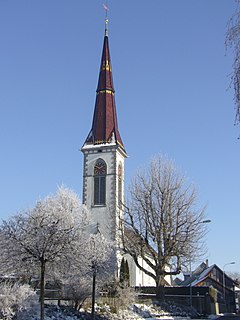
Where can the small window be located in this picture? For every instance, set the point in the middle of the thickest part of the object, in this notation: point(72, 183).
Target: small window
point(100, 171)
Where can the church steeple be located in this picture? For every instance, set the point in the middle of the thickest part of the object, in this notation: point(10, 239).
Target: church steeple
point(104, 156)
point(104, 129)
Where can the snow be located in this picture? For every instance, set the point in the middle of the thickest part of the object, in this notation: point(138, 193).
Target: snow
point(134, 312)
point(21, 302)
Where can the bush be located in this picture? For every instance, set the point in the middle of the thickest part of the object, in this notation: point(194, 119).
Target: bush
point(15, 298)
point(125, 296)
point(119, 297)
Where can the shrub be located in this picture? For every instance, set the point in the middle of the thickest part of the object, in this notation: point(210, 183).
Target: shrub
point(14, 298)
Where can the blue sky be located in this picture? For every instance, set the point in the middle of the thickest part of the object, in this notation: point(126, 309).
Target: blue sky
point(171, 76)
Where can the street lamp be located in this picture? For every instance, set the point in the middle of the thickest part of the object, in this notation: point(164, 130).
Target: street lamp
point(94, 269)
point(224, 286)
point(190, 288)
point(94, 273)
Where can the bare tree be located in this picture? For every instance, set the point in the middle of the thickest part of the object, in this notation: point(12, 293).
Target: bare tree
point(235, 275)
point(43, 237)
point(162, 224)
point(233, 41)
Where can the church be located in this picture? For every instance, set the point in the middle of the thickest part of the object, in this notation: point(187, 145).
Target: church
point(103, 169)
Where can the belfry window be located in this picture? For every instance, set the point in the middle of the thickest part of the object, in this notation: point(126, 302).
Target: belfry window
point(100, 171)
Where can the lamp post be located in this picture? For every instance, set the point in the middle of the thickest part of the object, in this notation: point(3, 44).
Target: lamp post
point(94, 273)
point(94, 269)
point(224, 286)
point(190, 288)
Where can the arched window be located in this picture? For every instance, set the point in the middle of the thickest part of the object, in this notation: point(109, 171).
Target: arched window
point(100, 171)
point(120, 186)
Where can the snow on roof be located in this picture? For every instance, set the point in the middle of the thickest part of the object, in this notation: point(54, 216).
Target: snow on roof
point(196, 278)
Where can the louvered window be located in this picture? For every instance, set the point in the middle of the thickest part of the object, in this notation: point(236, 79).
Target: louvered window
point(100, 171)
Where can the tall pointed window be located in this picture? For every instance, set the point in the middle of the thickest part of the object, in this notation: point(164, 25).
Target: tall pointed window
point(100, 172)
point(120, 186)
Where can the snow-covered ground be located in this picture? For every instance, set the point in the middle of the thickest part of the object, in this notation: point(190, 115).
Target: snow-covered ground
point(135, 312)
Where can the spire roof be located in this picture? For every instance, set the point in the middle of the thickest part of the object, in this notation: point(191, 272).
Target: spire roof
point(105, 126)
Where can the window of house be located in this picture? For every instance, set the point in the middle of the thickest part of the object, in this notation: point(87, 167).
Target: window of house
point(100, 172)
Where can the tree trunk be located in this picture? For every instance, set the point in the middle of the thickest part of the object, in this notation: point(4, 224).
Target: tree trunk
point(160, 294)
point(42, 287)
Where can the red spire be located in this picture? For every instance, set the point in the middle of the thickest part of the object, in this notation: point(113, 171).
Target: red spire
point(104, 126)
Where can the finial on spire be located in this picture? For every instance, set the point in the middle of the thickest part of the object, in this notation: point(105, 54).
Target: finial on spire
point(106, 26)
point(106, 8)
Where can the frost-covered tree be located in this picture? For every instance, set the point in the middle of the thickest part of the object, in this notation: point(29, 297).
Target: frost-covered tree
point(233, 41)
point(102, 253)
point(102, 262)
point(98, 265)
point(162, 224)
point(43, 238)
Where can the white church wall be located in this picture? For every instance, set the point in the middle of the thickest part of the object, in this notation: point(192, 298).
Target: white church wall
point(142, 279)
point(139, 278)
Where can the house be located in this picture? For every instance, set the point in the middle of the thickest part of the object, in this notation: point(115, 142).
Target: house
point(220, 287)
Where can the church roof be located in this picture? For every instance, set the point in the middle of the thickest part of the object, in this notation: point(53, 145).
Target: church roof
point(105, 126)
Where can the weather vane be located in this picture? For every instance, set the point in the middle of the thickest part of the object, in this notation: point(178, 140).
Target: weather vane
point(106, 8)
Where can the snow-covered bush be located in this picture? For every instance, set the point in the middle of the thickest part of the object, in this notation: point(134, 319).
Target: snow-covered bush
point(77, 289)
point(15, 298)
point(125, 296)
point(118, 297)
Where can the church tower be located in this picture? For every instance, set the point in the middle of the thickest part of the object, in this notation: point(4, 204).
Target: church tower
point(104, 155)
